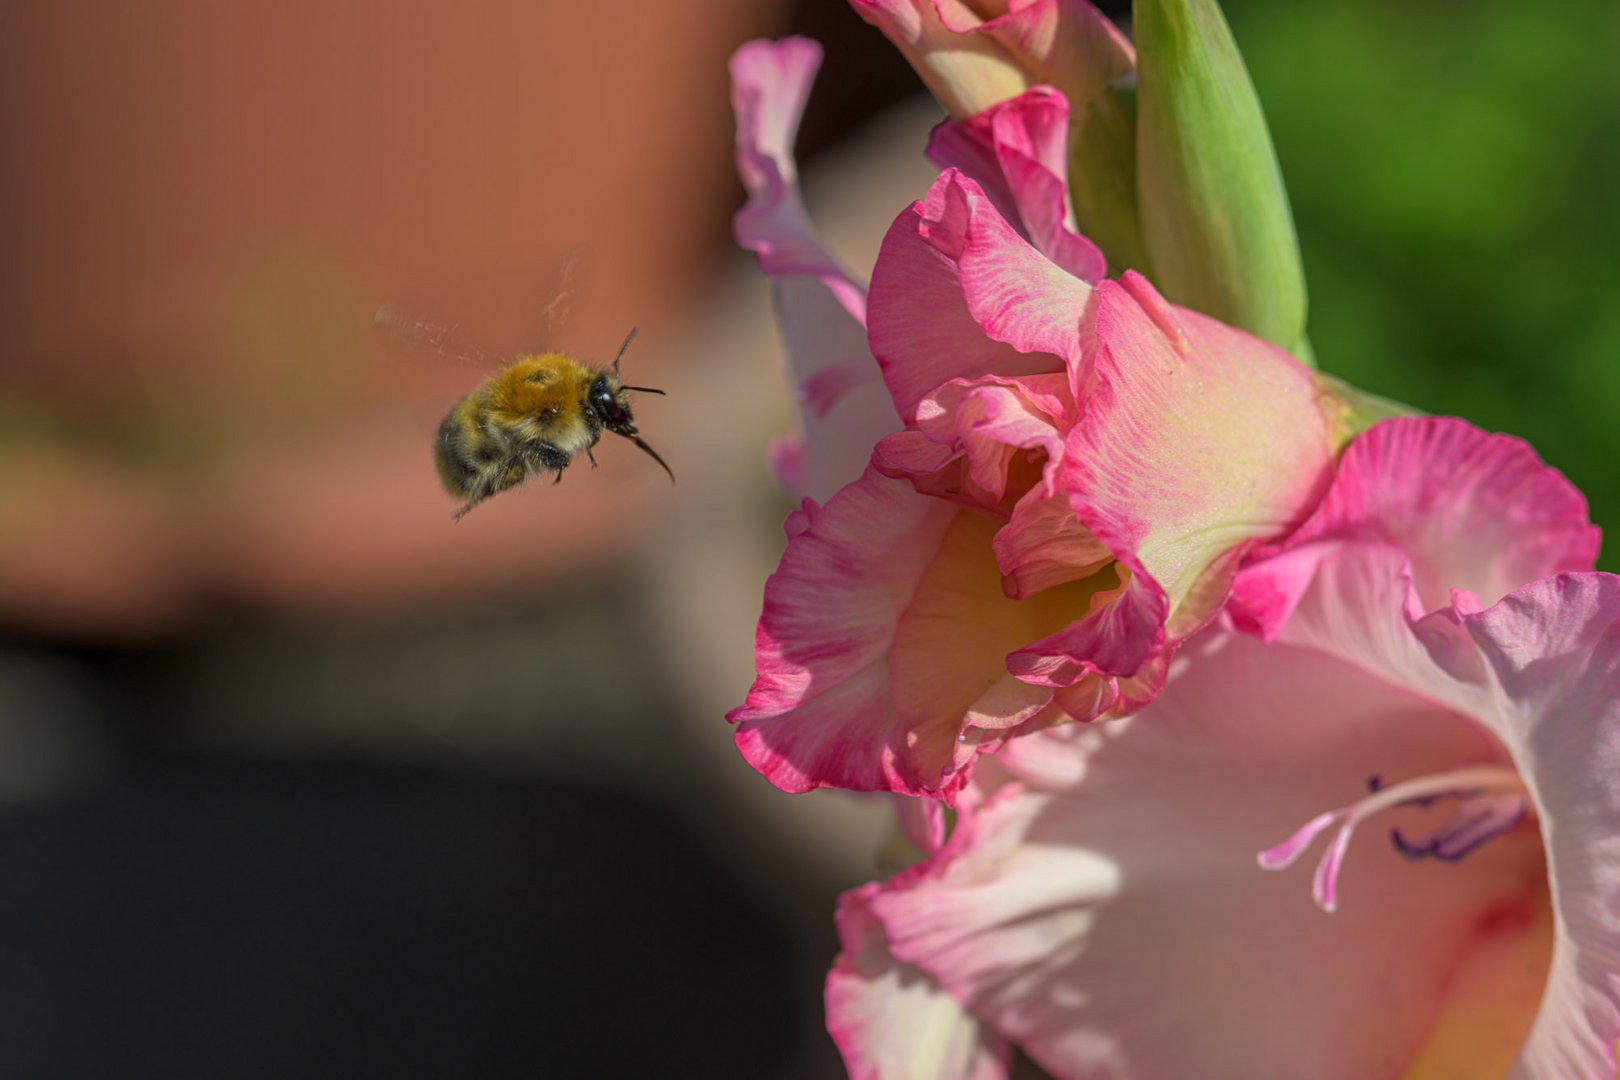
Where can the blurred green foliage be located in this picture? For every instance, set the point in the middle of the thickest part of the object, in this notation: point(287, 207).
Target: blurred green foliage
point(1454, 169)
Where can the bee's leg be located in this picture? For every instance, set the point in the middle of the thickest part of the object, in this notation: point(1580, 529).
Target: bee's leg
point(591, 456)
point(545, 457)
point(483, 490)
point(494, 480)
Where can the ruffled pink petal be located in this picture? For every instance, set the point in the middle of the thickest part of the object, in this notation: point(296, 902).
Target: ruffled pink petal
point(912, 455)
point(1471, 510)
point(890, 1021)
point(1006, 434)
point(1357, 603)
point(881, 649)
point(1197, 440)
point(1264, 595)
point(821, 712)
point(1554, 651)
point(994, 418)
point(820, 309)
point(1017, 151)
point(1124, 627)
point(957, 293)
point(1110, 919)
point(1541, 670)
point(1044, 545)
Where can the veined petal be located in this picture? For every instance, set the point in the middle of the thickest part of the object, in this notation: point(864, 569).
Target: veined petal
point(1357, 603)
point(889, 1021)
point(1264, 595)
point(1044, 544)
point(820, 712)
point(957, 293)
point(1121, 629)
point(1017, 151)
point(1111, 922)
point(1540, 670)
point(1062, 43)
point(949, 663)
point(1197, 440)
point(1001, 431)
point(1471, 510)
point(1072, 46)
point(992, 416)
point(1554, 650)
point(881, 650)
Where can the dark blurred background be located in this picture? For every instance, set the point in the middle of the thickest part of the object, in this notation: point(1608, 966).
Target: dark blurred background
point(298, 777)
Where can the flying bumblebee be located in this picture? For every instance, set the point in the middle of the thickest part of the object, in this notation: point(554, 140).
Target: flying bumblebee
point(535, 415)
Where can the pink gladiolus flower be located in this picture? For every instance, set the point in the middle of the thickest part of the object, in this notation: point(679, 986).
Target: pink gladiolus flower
point(1083, 466)
point(1098, 905)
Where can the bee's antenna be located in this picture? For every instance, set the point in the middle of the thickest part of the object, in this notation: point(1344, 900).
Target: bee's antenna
point(643, 389)
point(639, 441)
point(627, 340)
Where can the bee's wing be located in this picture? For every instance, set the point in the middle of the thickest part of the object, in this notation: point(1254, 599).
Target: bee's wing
point(555, 312)
point(442, 338)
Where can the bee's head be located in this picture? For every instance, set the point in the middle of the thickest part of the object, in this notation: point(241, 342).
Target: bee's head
point(609, 402)
point(608, 398)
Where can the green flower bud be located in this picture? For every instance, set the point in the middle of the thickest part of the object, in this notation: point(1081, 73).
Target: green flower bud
point(1102, 173)
point(1217, 233)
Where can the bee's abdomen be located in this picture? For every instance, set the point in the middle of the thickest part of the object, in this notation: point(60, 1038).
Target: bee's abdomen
point(460, 454)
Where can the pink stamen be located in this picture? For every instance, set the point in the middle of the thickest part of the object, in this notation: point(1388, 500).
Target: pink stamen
point(1472, 782)
point(1284, 854)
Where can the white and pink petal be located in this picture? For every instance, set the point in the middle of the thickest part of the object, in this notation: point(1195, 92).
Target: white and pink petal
point(770, 83)
point(820, 712)
point(820, 308)
point(1553, 648)
point(1539, 671)
point(958, 294)
point(881, 649)
point(890, 1021)
point(966, 72)
point(1470, 509)
point(1006, 433)
point(1196, 441)
point(1017, 151)
point(1043, 545)
point(1110, 921)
